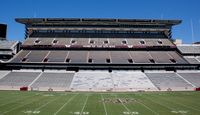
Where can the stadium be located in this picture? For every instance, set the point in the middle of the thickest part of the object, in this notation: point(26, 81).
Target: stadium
point(99, 66)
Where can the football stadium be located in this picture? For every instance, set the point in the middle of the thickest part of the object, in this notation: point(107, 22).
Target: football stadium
point(99, 66)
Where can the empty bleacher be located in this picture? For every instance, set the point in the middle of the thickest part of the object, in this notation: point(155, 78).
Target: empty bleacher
point(100, 80)
point(15, 80)
point(54, 80)
point(130, 80)
point(3, 73)
point(161, 57)
point(77, 56)
point(92, 80)
point(101, 57)
point(36, 56)
point(178, 58)
point(120, 57)
point(193, 77)
point(168, 81)
point(192, 60)
point(189, 49)
point(57, 56)
point(140, 57)
point(98, 41)
point(20, 56)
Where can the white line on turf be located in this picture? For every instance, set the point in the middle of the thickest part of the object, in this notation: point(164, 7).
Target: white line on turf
point(181, 104)
point(154, 101)
point(84, 105)
point(145, 106)
point(21, 105)
point(124, 105)
point(64, 105)
point(104, 106)
point(17, 100)
point(45, 104)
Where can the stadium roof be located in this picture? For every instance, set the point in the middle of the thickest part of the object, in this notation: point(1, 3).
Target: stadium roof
point(96, 21)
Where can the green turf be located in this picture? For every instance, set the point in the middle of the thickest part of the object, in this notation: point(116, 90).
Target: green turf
point(80, 103)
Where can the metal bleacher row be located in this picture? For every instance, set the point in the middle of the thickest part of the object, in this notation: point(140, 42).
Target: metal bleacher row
point(192, 59)
point(99, 57)
point(100, 80)
point(189, 49)
point(98, 41)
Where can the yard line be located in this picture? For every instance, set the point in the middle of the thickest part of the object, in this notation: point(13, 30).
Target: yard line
point(64, 105)
point(123, 105)
point(104, 105)
point(22, 105)
point(154, 101)
point(17, 100)
point(145, 106)
point(84, 105)
point(181, 104)
point(45, 104)
point(162, 105)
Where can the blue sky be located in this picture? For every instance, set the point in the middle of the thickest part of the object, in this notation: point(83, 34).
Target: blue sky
point(185, 10)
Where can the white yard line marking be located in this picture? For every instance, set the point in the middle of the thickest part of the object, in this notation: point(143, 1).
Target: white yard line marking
point(22, 105)
point(181, 104)
point(124, 105)
point(145, 106)
point(64, 105)
point(154, 101)
point(84, 105)
point(17, 100)
point(45, 104)
point(104, 106)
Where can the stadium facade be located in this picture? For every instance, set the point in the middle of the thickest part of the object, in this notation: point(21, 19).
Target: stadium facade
point(73, 54)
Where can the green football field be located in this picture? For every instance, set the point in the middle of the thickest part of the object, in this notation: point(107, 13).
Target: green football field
point(81, 103)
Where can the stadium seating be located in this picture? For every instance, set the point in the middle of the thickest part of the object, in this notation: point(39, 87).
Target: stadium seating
point(168, 81)
point(189, 49)
point(21, 56)
point(192, 60)
point(3, 73)
point(4, 44)
point(193, 77)
point(92, 80)
point(133, 81)
point(57, 56)
point(15, 80)
point(115, 57)
point(37, 56)
point(98, 41)
point(54, 80)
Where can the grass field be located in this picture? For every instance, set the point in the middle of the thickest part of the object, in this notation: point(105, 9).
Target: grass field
point(79, 103)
